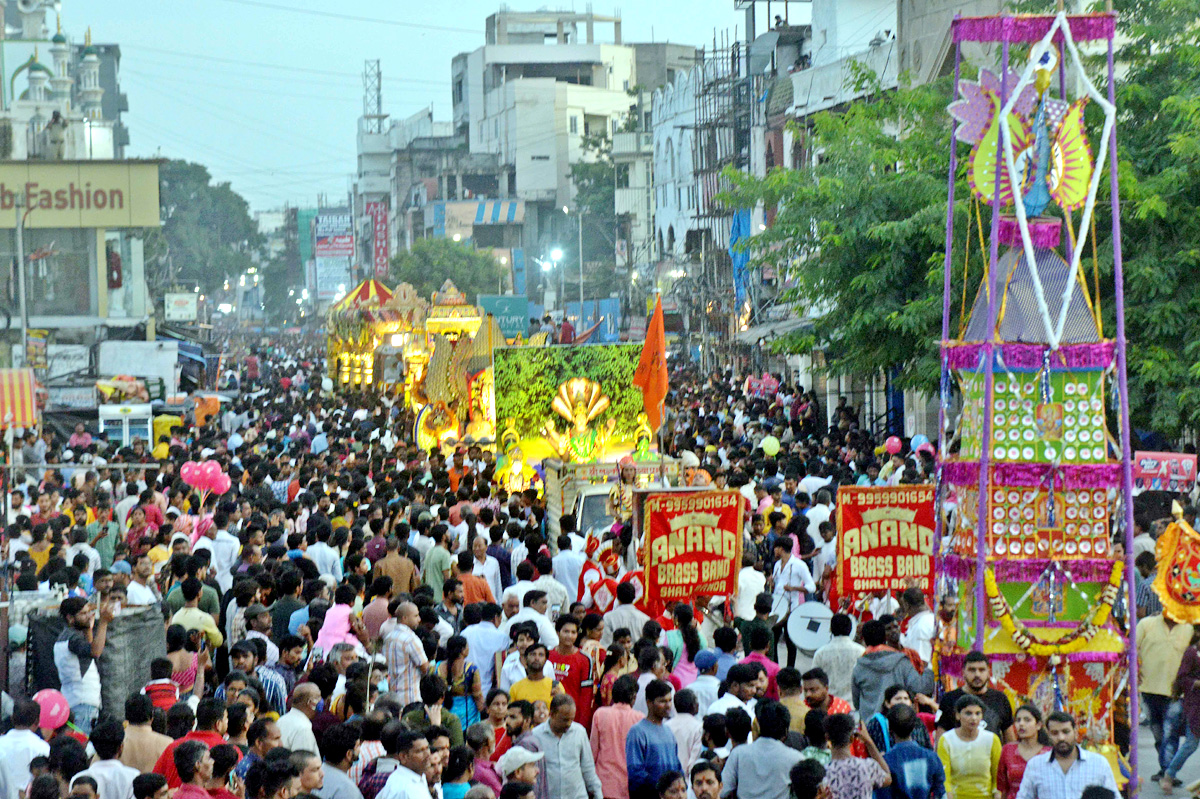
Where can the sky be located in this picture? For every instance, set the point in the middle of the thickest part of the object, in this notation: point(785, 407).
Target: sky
point(268, 96)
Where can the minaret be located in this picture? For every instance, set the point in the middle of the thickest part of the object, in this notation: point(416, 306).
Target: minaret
point(60, 84)
point(89, 80)
point(39, 74)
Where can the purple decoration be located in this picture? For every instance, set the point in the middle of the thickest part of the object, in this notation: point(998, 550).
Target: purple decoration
point(1082, 475)
point(1087, 28)
point(1083, 570)
point(1044, 232)
point(1029, 356)
point(977, 107)
point(951, 665)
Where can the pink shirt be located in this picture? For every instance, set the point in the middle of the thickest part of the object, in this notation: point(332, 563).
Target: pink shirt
point(772, 669)
point(610, 726)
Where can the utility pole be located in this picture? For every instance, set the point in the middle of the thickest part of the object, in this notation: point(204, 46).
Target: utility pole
point(580, 215)
point(19, 206)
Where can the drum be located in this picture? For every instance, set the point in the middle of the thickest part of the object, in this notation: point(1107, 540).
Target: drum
point(808, 627)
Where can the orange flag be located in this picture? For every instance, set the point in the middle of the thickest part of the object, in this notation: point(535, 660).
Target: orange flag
point(651, 374)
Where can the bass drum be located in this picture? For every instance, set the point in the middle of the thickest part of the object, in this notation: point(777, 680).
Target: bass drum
point(808, 627)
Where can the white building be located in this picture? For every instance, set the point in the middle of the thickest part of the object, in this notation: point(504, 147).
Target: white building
point(676, 192)
point(539, 85)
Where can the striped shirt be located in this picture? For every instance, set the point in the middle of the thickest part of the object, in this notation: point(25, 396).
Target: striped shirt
point(405, 658)
point(1045, 779)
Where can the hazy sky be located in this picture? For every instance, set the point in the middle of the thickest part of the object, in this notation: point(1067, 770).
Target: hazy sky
point(268, 97)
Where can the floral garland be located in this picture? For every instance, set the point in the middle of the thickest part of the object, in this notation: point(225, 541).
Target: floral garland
point(1075, 641)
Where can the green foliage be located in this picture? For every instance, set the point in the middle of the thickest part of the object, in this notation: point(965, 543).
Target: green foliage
point(863, 232)
point(595, 197)
point(207, 232)
point(527, 379)
point(432, 261)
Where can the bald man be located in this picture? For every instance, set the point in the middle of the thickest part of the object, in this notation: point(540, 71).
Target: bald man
point(406, 660)
point(295, 728)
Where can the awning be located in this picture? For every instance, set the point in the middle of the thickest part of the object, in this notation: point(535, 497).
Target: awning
point(18, 398)
point(770, 330)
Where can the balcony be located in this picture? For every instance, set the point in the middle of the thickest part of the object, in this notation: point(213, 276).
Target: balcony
point(632, 145)
point(634, 202)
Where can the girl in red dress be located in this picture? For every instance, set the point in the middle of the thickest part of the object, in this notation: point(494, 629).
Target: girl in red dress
point(1027, 721)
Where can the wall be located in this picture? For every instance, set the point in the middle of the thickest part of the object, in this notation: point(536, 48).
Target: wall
point(674, 115)
point(843, 27)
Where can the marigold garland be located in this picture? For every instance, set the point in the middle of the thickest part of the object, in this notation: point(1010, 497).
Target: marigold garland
point(1075, 641)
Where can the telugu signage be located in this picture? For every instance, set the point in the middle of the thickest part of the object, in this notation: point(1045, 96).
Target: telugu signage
point(80, 194)
point(885, 539)
point(1164, 471)
point(512, 313)
point(693, 545)
point(378, 214)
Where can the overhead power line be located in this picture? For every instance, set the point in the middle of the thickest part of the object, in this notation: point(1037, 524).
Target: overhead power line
point(312, 12)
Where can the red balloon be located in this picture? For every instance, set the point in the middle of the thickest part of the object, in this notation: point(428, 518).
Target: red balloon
point(221, 484)
point(190, 471)
point(893, 445)
point(209, 470)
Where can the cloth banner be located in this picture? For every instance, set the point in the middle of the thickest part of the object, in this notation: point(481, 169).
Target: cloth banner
point(693, 545)
point(885, 539)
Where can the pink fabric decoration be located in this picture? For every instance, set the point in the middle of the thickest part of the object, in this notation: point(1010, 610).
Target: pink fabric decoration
point(966, 357)
point(336, 629)
point(1090, 27)
point(952, 664)
point(1084, 475)
point(1044, 232)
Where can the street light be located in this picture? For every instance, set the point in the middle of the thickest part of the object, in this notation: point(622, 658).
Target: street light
point(556, 255)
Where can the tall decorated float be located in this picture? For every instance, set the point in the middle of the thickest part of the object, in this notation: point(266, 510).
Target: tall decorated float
point(1038, 483)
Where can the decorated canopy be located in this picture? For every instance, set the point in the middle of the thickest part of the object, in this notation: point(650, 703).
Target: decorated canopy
point(368, 294)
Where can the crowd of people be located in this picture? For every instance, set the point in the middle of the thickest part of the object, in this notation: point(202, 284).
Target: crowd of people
point(360, 619)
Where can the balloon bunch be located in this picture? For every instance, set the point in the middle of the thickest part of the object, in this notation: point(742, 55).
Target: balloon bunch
point(205, 476)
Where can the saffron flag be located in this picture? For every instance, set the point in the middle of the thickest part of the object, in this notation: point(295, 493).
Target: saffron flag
point(651, 374)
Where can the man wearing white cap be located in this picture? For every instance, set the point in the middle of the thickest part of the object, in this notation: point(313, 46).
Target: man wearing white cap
point(519, 764)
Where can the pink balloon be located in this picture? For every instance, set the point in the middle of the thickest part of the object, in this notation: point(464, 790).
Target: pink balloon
point(221, 484)
point(189, 472)
point(893, 445)
point(55, 709)
point(209, 470)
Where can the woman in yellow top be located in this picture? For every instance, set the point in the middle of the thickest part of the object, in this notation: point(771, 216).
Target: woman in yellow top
point(970, 755)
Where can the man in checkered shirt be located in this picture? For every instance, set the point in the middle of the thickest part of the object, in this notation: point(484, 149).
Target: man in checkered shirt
point(406, 660)
point(1067, 769)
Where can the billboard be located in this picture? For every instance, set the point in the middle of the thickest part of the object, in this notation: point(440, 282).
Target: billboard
point(512, 313)
point(885, 539)
point(81, 194)
point(378, 214)
point(693, 545)
point(333, 236)
point(1164, 471)
point(180, 306)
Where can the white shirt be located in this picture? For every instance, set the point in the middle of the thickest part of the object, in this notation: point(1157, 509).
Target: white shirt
point(490, 571)
point(556, 594)
point(92, 555)
point(296, 732)
point(794, 573)
point(138, 594)
point(405, 784)
point(922, 628)
point(546, 634)
point(751, 583)
point(226, 547)
point(705, 687)
point(520, 587)
point(816, 515)
point(17, 749)
point(826, 557)
point(811, 485)
point(114, 779)
point(567, 566)
point(484, 640)
point(728, 702)
point(688, 731)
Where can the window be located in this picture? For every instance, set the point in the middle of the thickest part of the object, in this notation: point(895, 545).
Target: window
point(626, 85)
point(63, 282)
point(574, 125)
point(458, 91)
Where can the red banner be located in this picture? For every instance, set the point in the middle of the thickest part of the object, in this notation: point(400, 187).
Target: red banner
point(885, 539)
point(377, 212)
point(693, 544)
point(1164, 471)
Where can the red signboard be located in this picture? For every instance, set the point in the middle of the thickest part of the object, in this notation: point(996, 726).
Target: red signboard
point(885, 539)
point(693, 545)
point(1164, 471)
point(377, 213)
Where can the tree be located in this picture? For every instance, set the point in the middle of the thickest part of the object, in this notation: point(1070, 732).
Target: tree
point(862, 239)
point(431, 262)
point(207, 233)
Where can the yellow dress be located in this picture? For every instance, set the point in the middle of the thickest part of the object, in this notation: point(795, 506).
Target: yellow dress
point(970, 766)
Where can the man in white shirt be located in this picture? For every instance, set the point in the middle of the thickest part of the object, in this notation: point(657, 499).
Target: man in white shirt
point(484, 640)
point(486, 566)
point(225, 548)
point(922, 624)
point(142, 589)
point(125, 506)
point(524, 573)
point(751, 583)
point(557, 598)
point(838, 657)
point(790, 579)
point(408, 780)
point(18, 747)
point(534, 610)
point(568, 563)
point(740, 690)
point(706, 686)
point(295, 726)
point(623, 615)
point(80, 546)
point(818, 513)
point(114, 780)
point(814, 481)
